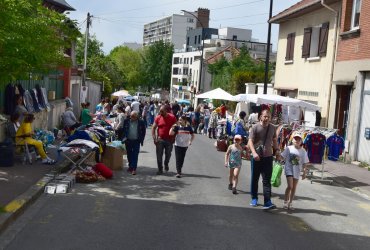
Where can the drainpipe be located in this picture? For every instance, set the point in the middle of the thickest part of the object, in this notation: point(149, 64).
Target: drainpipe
point(334, 56)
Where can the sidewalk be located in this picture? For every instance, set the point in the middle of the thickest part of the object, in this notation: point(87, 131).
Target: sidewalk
point(21, 185)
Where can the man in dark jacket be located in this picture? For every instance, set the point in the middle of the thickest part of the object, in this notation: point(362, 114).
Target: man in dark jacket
point(134, 134)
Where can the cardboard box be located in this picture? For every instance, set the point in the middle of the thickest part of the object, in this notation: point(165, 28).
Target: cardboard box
point(113, 158)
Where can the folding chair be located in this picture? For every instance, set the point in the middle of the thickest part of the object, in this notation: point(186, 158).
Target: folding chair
point(77, 152)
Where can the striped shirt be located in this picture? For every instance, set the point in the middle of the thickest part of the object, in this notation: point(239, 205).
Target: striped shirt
point(183, 135)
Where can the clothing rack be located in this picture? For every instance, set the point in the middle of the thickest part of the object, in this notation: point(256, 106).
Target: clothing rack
point(327, 132)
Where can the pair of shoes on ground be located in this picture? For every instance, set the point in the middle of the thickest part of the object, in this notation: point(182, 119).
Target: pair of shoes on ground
point(267, 205)
point(178, 175)
point(288, 205)
point(48, 161)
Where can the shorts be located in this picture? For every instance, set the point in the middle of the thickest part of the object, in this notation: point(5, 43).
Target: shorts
point(232, 167)
point(294, 171)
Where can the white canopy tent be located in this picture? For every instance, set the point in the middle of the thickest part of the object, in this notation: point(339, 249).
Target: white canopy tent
point(272, 99)
point(218, 94)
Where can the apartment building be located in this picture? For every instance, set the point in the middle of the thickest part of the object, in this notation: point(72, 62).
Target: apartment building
point(173, 28)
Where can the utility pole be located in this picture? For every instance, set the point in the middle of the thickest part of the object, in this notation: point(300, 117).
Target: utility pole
point(88, 23)
point(268, 51)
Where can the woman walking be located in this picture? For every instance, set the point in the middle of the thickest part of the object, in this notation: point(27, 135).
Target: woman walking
point(184, 137)
point(233, 160)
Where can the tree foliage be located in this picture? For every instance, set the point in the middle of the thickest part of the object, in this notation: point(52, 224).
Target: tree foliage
point(129, 63)
point(232, 75)
point(99, 67)
point(157, 65)
point(32, 38)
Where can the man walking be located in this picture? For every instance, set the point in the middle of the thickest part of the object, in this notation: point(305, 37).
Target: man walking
point(134, 132)
point(161, 136)
point(262, 139)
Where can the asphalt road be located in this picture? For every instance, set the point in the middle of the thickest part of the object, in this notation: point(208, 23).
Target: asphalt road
point(195, 212)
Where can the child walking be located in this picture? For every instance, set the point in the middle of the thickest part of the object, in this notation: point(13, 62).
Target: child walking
point(295, 157)
point(233, 160)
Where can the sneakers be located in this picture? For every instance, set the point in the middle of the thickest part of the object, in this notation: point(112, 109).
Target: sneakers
point(268, 205)
point(133, 172)
point(166, 168)
point(234, 191)
point(230, 186)
point(178, 175)
point(254, 203)
point(129, 170)
point(159, 172)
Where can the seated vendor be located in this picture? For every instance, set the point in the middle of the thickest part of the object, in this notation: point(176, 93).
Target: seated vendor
point(24, 135)
point(69, 120)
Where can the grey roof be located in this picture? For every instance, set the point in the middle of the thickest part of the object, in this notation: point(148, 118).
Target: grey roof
point(61, 3)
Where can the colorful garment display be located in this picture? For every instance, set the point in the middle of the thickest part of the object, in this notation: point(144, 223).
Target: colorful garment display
point(336, 146)
point(315, 145)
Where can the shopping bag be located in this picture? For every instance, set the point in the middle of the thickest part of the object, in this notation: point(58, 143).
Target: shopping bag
point(277, 169)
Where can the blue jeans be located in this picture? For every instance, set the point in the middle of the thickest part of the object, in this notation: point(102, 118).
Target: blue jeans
point(133, 149)
point(165, 146)
point(206, 123)
point(262, 167)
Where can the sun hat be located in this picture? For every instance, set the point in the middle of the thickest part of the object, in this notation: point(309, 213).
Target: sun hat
point(297, 134)
point(239, 137)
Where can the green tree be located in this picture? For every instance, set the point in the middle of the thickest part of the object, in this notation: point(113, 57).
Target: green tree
point(232, 75)
point(99, 67)
point(129, 63)
point(157, 64)
point(32, 38)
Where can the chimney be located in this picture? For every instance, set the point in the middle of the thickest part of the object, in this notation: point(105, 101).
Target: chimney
point(203, 16)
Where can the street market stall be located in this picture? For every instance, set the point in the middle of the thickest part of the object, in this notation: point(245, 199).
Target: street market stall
point(218, 94)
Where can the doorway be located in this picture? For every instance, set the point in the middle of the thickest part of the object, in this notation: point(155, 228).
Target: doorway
point(342, 109)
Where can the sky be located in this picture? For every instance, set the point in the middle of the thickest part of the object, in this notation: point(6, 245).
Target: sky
point(117, 21)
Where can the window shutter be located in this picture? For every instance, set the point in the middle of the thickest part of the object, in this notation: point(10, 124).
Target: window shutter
point(290, 47)
point(287, 54)
point(323, 43)
point(306, 42)
point(291, 52)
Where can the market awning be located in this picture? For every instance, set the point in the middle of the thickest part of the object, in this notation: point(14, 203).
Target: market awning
point(122, 93)
point(272, 99)
point(218, 94)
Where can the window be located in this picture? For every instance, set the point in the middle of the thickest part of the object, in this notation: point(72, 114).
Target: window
point(199, 39)
point(175, 60)
point(315, 41)
point(356, 10)
point(235, 38)
point(195, 40)
point(187, 41)
point(290, 47)
point(175, 71)
point(190, 20)
point(191, 60)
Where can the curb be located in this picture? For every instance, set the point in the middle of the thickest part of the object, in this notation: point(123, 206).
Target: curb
point(20, 204)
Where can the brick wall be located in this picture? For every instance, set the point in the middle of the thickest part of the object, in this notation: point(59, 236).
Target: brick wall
point(354, 46)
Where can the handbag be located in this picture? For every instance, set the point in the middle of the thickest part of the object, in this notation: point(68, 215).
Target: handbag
point(277, 169)
point(261, 148)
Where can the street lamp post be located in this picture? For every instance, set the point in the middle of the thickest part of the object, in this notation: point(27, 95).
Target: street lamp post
point(268, 51)
point(202, 51)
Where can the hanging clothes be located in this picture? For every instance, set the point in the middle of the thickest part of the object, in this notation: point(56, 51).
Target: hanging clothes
point(315, 144)
point(40, 97)
point(28, 102)
point(336, 146)
point(9, 99)
point(35, 102)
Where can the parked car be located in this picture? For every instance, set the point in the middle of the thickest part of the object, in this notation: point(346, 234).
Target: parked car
point(129, 98)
